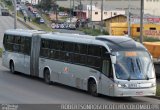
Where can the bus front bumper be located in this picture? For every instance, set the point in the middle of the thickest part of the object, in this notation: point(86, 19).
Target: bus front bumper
point(125, 92)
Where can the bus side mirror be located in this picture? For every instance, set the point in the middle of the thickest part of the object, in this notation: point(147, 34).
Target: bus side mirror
point(113, 59)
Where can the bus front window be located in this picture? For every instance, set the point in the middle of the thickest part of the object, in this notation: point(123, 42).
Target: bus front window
point(133, 65)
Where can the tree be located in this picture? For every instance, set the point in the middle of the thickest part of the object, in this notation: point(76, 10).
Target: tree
point(46, 4)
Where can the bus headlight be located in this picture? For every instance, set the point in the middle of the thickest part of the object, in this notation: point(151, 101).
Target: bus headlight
point(122, 85)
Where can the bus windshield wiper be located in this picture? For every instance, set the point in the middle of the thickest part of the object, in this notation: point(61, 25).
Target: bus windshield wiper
point(147, 78)
point(137, 60)
point(129, 78)
point(132, 65)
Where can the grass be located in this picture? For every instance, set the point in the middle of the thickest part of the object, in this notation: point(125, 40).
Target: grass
point(148, 39)
point(42, 26)
point(158, 90)
point(0, 52)
point(8, 4)
point(93, 32)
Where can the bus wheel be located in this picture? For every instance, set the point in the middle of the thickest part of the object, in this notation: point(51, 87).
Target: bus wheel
point(47, 76)
point(12, 70)
point(92, 88)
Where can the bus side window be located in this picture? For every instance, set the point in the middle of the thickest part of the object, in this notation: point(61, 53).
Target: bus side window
point(106, 67)
point(22, 42)
point(5, 41)
point(27, 46)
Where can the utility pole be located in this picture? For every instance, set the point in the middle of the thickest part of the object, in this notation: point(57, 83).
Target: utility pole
point(15, 14)
point(80, 13)
point(129, 20)
point(141, 21)
point(91, 11)
point(73, 5)
point(102, 16)
point(70, 11)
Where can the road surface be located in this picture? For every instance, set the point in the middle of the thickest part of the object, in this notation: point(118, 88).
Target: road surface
point(7, 22)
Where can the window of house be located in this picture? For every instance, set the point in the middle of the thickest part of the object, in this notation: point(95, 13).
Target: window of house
point(114, 13)
point(152, 28)
point(105, 13)
point(96, 13)
point(138, 29)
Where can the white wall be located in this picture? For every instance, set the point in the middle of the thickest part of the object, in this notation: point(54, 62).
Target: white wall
point(106, 13)
point(152, 7)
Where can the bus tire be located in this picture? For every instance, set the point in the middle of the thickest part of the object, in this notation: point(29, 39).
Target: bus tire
point(47, 78)
point(92, 88)
point(12, 70)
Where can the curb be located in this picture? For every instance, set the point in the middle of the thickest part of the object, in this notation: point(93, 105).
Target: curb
point(25, 24)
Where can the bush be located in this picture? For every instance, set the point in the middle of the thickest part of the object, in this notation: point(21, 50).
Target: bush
point(158, 90)
point(94, 32)
point(147, 39)
point(36, 20)
point(0, 52)
point(9, 3)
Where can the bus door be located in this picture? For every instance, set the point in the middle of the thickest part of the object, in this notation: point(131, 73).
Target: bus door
point(34, 60)
point(106, 81)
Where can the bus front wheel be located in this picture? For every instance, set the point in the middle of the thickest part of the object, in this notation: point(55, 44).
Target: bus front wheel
point(92, 88)
point(47, 76)
point(12, 70)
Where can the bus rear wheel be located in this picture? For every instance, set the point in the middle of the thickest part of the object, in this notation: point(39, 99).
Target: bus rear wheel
point(12, 70)
point(47, 76)
point(92, 88)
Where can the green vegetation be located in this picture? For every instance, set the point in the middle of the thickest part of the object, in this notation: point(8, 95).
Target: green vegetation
point(0, 52)
point(93, 32)
point(19, 14)
point(8, 4)
point(151, 39)
point(41, 26)
point(148, 39)
point(158, 90)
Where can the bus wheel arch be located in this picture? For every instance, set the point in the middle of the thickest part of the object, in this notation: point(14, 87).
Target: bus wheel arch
point(11, 66)
point(92, 86)
point(47, 75)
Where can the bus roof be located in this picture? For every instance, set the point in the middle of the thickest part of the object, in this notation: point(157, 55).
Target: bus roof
point(117, 43)
point(23, 32)
point(70, 37)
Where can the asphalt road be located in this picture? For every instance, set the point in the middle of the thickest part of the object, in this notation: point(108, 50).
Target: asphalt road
point(30, 14)
point(7, 22)
point(22, 89)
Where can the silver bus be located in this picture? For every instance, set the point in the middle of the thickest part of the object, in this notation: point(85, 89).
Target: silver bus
point(109, 65)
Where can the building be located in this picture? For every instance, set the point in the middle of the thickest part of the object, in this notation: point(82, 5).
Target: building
point(121, 28)
point(152, 7)
point(96, 13)
point(108, 4)
point(116, 19)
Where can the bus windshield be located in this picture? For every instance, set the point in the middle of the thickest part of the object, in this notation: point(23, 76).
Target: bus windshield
point(133, 65)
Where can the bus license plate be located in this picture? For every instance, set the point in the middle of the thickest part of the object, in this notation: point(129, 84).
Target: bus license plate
point(139, 93)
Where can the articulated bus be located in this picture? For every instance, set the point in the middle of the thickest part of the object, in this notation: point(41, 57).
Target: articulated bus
point(109, 65)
